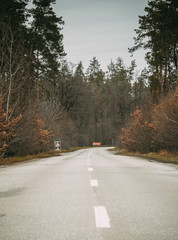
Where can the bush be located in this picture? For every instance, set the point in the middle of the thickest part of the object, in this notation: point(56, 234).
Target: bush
point(6, 129)
point(138, 136)
point(153, 130)
point(165, 123)
point(31, 136)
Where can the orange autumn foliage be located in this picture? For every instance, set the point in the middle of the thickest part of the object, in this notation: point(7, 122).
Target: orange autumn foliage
point(41, 135)
point(158, 133)
point(138, 136)
point(32, 135)
point(165, 122)
point(6, 129)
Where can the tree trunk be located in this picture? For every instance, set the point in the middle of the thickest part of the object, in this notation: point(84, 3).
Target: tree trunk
point(176, 92)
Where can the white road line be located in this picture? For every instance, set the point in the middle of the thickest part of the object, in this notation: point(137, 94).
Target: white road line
point(101, 217)
point(90, 169)
point(88, 163)
point(94, 182)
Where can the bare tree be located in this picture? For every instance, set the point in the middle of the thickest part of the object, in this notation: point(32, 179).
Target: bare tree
point(12, 68)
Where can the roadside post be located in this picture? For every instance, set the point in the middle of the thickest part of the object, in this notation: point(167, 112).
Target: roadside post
point(57, 144)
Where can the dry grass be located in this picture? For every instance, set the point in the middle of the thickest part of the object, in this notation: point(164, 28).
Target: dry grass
point(52, 153)
point(162, 156)
point(11, 160)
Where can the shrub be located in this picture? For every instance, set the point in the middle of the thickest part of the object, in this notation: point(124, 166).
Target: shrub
point(6, 129)
point(138, 136)
point(165, 123)
point(153, 130)
point(32, 137)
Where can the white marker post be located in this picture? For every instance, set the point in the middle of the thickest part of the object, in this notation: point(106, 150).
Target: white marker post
point(57, 145)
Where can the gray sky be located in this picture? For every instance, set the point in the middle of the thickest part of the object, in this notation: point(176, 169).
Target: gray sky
point(100, 28)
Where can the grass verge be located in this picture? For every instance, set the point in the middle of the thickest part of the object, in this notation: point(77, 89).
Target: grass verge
point(162, 156)
point(17, 159)
point(11, 160)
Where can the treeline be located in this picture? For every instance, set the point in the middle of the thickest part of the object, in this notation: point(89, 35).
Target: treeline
point(30, 49)
point(154, 126)
point(44, 97)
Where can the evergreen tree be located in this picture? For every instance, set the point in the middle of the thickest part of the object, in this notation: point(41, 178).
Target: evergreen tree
point(120, 91)
point(13, 12)
point(140, 89)
point(79, 74)
point(45, 41)
point(13, 17)
point(93, 71)
point(158, 33)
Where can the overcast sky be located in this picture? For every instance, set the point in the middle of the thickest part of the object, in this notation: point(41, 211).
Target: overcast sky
point(100, 28)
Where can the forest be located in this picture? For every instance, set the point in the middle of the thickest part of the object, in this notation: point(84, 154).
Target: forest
point(44, 97)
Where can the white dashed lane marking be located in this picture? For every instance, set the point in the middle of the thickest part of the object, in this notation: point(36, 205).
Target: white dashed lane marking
point(90, 169)
point(101, 217)
point(94, 182)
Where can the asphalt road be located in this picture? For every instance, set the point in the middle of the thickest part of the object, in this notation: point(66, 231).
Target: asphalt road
point(89, 195)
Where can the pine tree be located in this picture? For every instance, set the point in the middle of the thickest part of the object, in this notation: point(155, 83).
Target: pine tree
point(94, 71)
point(12, 51)
point(45, 40)
point(158, 34)
point(13, 12)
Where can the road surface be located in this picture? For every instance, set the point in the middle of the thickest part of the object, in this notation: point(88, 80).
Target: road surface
point(89, 194)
